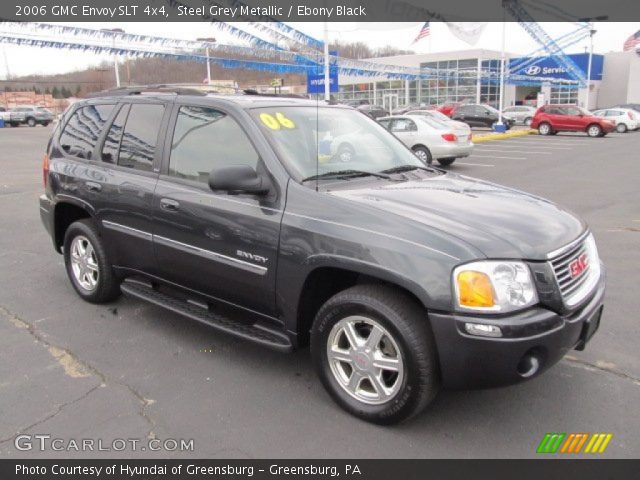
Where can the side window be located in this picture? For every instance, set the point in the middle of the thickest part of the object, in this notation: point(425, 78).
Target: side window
point(385, 123)
point(573, 111)
point(112, 141)
point(403, 125)
point(140, 136)
point(205, 139)
point(81, 132)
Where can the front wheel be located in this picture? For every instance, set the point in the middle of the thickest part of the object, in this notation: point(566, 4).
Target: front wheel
point(545, 129)
point(88, 265)
point(445, 162)
point(375, 354)
point(423, 154)
point(594, 131)
point(31, 122)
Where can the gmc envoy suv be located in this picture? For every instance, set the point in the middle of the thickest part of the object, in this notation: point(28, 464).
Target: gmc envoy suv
point(241, 212)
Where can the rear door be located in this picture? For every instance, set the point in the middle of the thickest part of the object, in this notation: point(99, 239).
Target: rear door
point(216, 243)
point(130, 155)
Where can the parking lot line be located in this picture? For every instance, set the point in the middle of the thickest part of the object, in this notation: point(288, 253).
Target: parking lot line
point(514, 151)
point(496, 156)
point(516, 145)
point(475, 164)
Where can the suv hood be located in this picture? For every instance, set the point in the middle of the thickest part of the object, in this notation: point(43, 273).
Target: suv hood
point(499, 221)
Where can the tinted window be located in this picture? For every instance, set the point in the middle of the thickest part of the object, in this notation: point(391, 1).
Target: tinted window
point(573, 111)
point(112, 141)
point(463, 109)
point(81, 132)
point(205, 139)
point(138, 144)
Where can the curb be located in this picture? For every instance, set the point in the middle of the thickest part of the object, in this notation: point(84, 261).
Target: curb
point(499, 136)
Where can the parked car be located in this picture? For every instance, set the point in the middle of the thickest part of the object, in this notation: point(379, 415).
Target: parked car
point(447, 108)
point(522, 114)
point(430, 139)
point(30, 115)
point(624, 118)
point(401, 110)
point(402, 277)
point(373, 111)
point(456, 125)
point(633, 106)
point(480, 115)
point(4, 114)
point(551, 119)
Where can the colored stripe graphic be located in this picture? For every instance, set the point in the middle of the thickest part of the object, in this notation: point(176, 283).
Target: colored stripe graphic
point(551, 442)
point(573, 443)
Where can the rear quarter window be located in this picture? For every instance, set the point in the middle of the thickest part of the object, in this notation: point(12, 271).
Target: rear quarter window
point(82, 130)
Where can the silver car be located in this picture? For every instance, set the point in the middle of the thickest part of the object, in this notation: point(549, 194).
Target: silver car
point(522, 114)
point(459, 126)
point(430, 139)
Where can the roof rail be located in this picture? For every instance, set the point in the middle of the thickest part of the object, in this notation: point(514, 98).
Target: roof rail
point(152, 89)
point(251, 91)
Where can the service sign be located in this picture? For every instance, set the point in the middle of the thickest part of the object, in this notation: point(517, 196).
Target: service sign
point(551, 68)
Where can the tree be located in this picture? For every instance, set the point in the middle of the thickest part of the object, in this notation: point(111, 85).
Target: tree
point(55, 92)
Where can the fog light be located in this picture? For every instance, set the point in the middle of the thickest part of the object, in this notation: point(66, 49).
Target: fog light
point(482, 330)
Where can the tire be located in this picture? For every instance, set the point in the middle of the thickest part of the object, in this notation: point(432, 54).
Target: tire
point(545, 129)
point(31, 122)
point(404, 335)
point(14, 124)
point(423, 154)
point(345, 152)
point(95, 285)
point(445, 162)
point(594, 130)
point(527, 121)
point(621, 128)
point(44, 124)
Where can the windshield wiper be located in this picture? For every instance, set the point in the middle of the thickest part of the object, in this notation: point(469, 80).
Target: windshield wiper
point(405, 168)
point(346, 173)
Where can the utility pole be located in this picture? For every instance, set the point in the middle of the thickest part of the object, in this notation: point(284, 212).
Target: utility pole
point(206, 49)
point(327, 85)
point(591, 34)
point(502, 72)
point(115, 57)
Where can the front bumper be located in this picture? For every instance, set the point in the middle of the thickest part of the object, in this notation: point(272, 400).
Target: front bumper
point(468, 361)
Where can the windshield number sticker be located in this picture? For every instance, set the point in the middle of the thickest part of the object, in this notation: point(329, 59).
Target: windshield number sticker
point(277, 122)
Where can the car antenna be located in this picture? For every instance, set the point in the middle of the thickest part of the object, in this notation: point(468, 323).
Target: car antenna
point(317, 142)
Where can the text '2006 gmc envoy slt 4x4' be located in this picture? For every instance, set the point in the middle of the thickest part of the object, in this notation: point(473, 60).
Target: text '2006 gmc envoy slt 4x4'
point(241, 212)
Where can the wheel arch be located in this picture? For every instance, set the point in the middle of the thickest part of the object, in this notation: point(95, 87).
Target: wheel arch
point(330, 275)
point(64, 214)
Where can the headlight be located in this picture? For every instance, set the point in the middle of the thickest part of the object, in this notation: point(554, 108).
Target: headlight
point(494, 286)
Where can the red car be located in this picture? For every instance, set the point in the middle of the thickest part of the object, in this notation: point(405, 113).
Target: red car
point(551, 119)
point(448, 108)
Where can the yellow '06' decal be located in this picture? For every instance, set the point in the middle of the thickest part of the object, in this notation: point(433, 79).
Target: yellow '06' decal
point(275, 123)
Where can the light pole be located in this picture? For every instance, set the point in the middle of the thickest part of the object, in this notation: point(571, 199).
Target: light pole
point(327, 85)
point(591, 34)
point(206, 49)
point(115, 57)
point(502, 74)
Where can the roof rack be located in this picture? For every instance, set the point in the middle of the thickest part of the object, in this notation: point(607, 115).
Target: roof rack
point(154, 89)
point(253, 92)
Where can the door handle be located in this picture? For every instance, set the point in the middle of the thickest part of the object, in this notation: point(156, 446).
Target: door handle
point(93, 186)
point(169, 205)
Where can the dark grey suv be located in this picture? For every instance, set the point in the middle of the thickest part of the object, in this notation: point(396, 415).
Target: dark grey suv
point(244, 213)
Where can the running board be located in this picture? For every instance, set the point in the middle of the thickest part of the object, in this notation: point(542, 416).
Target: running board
point(256, 333)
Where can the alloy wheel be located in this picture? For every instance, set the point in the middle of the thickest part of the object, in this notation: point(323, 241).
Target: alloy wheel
point(84, 263)
point(365, 360)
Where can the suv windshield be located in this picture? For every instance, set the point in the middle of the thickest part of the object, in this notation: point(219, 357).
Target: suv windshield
point(317, 140)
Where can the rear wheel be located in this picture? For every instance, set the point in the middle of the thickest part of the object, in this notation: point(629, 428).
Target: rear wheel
point(621, 128)
point(375, 354)
point(527, 121)
point(31, 122)
point(545, 129)
point(594, 130)
point(445, 162)
point(423, 154)
point(88, 265)
point(44, 124)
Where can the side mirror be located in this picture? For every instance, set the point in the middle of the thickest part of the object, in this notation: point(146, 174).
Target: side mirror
point(238, 179)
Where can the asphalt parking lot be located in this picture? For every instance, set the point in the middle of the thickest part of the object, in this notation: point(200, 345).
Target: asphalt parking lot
point(131, 370)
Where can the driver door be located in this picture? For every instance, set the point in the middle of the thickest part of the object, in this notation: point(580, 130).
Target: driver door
point(216, 243)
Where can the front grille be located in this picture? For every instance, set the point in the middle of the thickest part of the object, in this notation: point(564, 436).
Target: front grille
point(568, 284)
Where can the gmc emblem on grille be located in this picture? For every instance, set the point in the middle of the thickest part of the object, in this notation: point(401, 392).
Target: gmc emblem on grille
point(578, 265)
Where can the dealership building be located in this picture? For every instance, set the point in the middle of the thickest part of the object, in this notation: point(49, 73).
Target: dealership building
point(472, 75)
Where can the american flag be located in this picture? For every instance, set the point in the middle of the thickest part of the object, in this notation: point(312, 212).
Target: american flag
point(425, 31)
point(632, 42)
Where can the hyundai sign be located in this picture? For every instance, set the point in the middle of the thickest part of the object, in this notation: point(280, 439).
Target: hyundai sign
point(315, 83)
point(549, 67)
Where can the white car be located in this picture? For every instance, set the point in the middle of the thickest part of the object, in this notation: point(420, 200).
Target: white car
point(430, 139)
point(455, 124)
point(624, 118)
point(522, 114)
point(4, 115)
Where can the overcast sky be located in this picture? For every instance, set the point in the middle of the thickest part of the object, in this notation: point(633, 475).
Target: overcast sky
point(29, 60)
